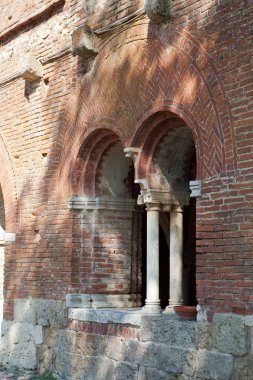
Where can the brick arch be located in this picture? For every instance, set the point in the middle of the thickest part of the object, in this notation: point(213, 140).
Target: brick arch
point(150, 122)
point(156, 129)
point(89, 158)
point(8, 185)
point(80, 158)
point(148, 69)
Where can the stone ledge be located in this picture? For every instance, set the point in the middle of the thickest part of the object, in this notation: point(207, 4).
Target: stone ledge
point(98, 301)
point(132, 316)
point(88, 203)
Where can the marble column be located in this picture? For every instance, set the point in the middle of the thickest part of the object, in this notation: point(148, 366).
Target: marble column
point(152, 302)
point(176, 258)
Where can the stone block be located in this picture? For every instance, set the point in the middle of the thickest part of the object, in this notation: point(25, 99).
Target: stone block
point(158, 10)
point(249, 320)
point(78, 300)
point(145, 354)
point(129, 317)
point(50, 337)
point(51, 313)
point(126, 371)
point(41, 312)
point(19, 355)
point(89, 344)
point(115, 348)
point(165, 330)
point(110, 301)
point(70, 366)
point(244, 368)
point(230, 334)
point(77, 367)
point(204, 335)
point(16, 333)
point(18, 344)
point(24, 311)
point(214, 365)
point(177, 360)
point(146, 373)
point(251, 340)
point(44, 357)
point(29, 68)
point(84, 42)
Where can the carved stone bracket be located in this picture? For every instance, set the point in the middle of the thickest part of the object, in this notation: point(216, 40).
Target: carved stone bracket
point(158, 10)
point(195, 188)
point(84, 42)
point(29, 68)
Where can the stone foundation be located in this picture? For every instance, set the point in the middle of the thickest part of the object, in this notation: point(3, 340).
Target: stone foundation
point(126, 344)
point(21, 338)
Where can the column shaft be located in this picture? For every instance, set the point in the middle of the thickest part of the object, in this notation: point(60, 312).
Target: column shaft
point(176, 258)
point(152, 302)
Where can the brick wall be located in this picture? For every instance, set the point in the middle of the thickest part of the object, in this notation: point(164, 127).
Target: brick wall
point(205, 79)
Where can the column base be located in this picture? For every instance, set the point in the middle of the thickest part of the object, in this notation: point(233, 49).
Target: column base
point(152, 307)
point(170, 308)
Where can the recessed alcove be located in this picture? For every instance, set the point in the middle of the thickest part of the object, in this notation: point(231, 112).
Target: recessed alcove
point(119, 190)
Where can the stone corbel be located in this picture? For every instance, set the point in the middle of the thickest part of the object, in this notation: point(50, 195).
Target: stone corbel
point(84, 42)
point(158, 10)
point(195, 188)
point(132, 152)
point(143, 183)
point(29, 68)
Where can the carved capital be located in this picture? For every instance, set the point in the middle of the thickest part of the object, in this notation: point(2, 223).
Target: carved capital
point(165, 199)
